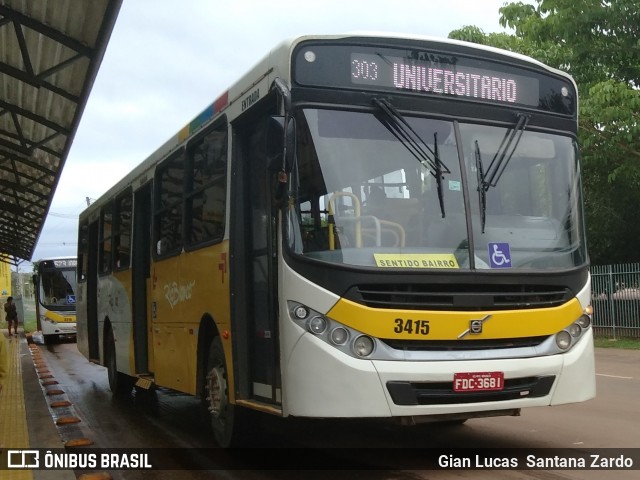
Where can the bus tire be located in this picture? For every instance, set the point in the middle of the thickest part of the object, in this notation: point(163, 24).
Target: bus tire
point(224, 417)
point(120, 384)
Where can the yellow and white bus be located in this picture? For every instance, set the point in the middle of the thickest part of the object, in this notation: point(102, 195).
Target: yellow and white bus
point(54, 287)
point(361, 226)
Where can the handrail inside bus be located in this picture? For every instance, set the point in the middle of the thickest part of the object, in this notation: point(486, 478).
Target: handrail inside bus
point(357, 211)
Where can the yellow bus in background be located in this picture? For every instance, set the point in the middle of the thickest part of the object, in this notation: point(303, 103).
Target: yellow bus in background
point(362, 226)
point(54, 287)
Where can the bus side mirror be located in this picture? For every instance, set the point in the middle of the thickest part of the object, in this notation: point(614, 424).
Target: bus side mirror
point(280, 143)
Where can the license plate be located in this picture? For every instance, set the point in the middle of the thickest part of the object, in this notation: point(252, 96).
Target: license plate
point(478, 381)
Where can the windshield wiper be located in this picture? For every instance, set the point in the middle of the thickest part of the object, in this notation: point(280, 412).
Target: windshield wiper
point(482, 188)
point(409, 138)
point(505, 152)
point(498, 163)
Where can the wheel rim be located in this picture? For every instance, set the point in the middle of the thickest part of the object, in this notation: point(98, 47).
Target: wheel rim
point(217, 387)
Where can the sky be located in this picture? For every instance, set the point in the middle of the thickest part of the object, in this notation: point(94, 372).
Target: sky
point(166, 61)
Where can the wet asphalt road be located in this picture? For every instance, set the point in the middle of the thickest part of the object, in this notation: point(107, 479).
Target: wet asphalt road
point(171, 421)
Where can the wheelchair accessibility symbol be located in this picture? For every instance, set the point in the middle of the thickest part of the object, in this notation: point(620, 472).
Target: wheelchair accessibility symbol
point(499, 255)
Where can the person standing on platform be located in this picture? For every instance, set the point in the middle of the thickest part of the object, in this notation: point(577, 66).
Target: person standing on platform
point(12, 315)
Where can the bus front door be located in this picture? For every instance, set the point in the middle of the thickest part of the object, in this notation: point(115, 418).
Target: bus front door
point(141, 262)
point(253, 268)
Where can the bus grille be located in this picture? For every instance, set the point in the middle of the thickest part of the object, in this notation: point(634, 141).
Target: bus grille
point(467, 297)
point(416, 393)
point(459, 346)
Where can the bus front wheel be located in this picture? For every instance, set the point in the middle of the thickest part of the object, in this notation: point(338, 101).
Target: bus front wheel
point(222, 413)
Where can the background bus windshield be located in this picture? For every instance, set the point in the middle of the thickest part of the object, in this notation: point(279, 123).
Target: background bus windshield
point(57, 288)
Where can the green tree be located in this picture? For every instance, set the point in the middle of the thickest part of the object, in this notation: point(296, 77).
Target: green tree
point(598, 43)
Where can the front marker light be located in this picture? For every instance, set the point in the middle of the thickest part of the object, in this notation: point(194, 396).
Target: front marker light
point(363, 346)
point(301, 312)
point(563, 340)
point(317, 325)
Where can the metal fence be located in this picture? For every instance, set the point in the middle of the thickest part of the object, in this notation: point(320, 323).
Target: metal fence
point(615, 291)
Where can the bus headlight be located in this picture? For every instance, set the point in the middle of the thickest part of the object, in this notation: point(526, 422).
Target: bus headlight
point(563, 340)
point(572, 334)
point(575, 330)
point(342, 337)
point(363, 346)
point(339, 335)
point(584, 321)
point(317, 325)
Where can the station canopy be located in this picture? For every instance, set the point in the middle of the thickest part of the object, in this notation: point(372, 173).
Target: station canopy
point(50, 52)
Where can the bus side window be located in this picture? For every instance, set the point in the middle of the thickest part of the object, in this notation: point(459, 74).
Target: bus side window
point(168, 204)
point(122, 230)
point(206, 191)
point(106, 225)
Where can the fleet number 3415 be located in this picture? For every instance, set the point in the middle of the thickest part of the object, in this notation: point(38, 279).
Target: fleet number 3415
point(415, 327)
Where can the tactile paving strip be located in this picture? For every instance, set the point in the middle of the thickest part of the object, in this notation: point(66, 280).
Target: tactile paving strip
point(13, 418)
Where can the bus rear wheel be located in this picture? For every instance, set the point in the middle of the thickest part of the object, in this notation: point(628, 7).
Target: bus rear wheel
point(224, 416)
point(120, 384)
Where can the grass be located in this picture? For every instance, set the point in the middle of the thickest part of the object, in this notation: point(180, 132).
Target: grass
point(30, 325)
point(625, 343)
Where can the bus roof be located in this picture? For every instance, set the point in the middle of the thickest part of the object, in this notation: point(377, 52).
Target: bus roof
point(290, 43)
point(44, 259)
point(451, 41)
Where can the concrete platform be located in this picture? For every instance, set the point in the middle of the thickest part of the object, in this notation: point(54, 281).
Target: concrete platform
point(25, 419)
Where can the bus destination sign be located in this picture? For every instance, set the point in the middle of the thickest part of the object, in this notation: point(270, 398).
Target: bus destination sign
point(429, 76)
point(441, 71)
point(65, 263)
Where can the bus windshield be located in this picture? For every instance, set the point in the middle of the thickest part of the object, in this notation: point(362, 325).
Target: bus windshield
point(57, 289)
point(381, 189)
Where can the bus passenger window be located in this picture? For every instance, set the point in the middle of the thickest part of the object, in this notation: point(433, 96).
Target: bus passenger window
point(206, 196)
point(122, 231)
point(106, 221)
point(168, 207)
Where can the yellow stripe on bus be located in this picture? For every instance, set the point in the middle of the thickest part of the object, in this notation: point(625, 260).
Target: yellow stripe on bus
point(58, 318)
point(383, 323)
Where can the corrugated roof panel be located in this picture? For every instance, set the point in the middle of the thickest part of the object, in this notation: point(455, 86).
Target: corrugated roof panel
point(50, 51)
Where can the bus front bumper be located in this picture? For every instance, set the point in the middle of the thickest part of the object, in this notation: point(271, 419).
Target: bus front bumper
point(320, 381)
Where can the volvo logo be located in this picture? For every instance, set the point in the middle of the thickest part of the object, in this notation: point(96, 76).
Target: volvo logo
point(475, 327)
